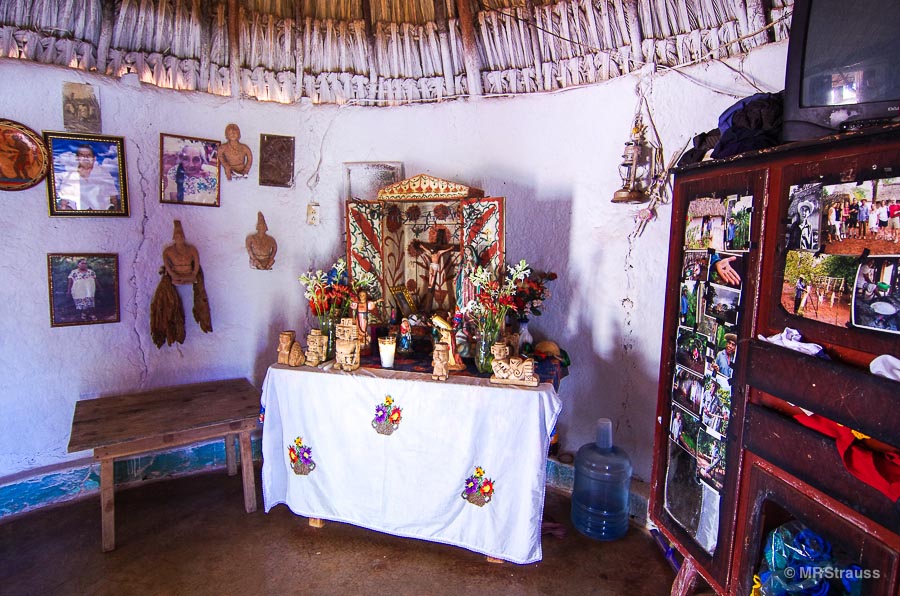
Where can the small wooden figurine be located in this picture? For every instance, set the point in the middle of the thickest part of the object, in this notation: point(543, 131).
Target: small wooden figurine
point(316, 347)
point(285, 343)
point(180, 259)
point(346, 347)
point(236, 157)
point(260, 246)
point(511, 370)
point(439, 359)
point(296, 357)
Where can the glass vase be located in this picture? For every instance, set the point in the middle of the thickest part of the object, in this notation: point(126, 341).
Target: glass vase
point(328, 327)
point(483, 356)
point(525, 336)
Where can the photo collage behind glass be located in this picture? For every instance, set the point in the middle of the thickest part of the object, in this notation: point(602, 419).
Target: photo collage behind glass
point(716, 242)
point(843, 244)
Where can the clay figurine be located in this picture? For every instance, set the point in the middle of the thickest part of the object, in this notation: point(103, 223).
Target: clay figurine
point(362, 306)
point(180, 259)
point(346, 346)
point(511, 370)
point(316, 347)
point(447, 336)
point(439, 359)
point(235, 156)
point(285, 342)
point(260, 246)
point(404, 341)
point(296, 357)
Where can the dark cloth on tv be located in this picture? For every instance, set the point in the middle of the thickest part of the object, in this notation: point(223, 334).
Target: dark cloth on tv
point(752, 123)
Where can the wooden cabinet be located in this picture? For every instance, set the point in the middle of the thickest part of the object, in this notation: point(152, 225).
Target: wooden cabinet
point(737, 454)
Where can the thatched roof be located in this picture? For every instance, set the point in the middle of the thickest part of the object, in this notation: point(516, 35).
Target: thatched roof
point(381, 52)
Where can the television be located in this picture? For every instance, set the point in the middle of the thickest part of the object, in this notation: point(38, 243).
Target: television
point(843, 67)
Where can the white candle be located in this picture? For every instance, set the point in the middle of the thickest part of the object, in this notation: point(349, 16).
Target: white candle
point(387, 347)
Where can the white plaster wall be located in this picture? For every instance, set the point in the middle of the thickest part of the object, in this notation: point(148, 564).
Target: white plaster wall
point(554, 157)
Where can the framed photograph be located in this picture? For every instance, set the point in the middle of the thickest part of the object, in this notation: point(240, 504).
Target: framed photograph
point(23, 156)
point(188, 170)
point(363, 179)
point(404, 300)
point(84, 288)
point(276, 161)
point(88, 175)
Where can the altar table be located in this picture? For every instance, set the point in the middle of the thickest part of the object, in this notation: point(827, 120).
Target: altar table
point(465, 463)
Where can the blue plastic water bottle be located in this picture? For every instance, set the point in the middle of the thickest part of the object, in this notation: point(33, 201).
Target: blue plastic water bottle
point(602, 480)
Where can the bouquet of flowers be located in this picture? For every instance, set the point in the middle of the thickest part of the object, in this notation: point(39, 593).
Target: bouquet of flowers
point(531, 293)
point(330, 294)
point(494, 299)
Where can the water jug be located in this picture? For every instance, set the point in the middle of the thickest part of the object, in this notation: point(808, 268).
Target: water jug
point(602, 479)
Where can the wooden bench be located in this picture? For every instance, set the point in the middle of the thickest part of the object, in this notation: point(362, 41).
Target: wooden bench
point(118, 426)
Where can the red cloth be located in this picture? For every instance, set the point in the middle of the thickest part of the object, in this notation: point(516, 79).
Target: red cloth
point(879, 470)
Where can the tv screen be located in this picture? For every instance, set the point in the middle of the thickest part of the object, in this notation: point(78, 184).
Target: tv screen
point(843, 66)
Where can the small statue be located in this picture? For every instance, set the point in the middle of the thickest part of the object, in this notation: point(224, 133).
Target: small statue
point(285, 343)
point(316, 347)
point(363, 306)
point(439, 359)
point(511, 370)
point(296, 357)
point(236, 157)
point(260, 246)
point(346, 346)
point(404, 340)
point(180, 259)
point(445, 331)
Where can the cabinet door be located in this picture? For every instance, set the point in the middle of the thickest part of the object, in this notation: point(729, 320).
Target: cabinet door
point(834, 274)
point(858, 550)
point(713, 275)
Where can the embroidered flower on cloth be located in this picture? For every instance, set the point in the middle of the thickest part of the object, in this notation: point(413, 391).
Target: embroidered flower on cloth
point(387, 416)
point(478, 489)
point(300, 456)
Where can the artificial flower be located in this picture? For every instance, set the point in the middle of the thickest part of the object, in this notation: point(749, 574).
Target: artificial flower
point(493, 299)
point(331, 293)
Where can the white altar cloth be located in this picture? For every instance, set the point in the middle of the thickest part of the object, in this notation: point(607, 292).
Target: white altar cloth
point(412, 482)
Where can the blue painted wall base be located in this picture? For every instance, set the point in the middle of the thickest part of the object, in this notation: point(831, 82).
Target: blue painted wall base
point(49, 488)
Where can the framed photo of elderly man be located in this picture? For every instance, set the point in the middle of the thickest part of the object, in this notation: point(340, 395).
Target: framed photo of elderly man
point(188, 170)
point(87, 176)
point(84, 288)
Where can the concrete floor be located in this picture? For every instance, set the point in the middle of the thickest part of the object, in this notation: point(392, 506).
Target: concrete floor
point(191, 536)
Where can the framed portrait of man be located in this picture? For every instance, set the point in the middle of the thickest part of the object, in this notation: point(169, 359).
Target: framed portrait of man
point(87, 176)
point(188, 170)
point(84, 288)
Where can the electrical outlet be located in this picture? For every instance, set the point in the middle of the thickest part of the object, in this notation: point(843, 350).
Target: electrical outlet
point(312, 214)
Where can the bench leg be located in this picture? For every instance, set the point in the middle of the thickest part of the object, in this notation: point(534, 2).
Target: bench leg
point(230, 459)
point(107, 505)
point(247, 472)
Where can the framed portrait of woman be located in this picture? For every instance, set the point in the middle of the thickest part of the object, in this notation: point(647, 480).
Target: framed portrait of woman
point(188, 170)
point(84, 288)
point(87, 176)
point(23, 156)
